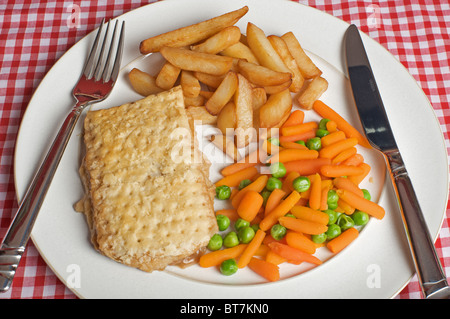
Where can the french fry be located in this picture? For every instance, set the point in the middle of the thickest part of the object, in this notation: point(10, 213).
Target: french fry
point(277, 107)
point(263, 49)
point(312, 92)
point(190, 84)
point(210, 80)
point(143, 83)
point(197, 61)
point(226, 119)
point(199, 113)
point(223, 94)
point(259, 98)
point(220, 41)
point(243, 99)
point(226, 145)
point(240, 51)
point(167, 76)
point(278, 88)
point(308, 69)
point(193, 33)
point(262, 76)
point(194, 101)
point(283, 51)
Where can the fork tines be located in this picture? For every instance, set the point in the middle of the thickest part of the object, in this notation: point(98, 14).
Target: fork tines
point(103, 63)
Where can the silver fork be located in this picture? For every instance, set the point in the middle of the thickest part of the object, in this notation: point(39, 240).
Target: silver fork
point(95, 84)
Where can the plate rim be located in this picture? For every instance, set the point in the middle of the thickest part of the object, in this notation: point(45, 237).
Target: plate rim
point(64, 56)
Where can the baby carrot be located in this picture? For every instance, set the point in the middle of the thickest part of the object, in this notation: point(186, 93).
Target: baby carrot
point(309, 214)
point(354, 160)
point(249, 206)
point(295, 118)
point(332, 138)
point(274, 258)
point(274, 200)
point(358, 178)
point(298, 129)
point(300, 242)
point(326, 112)
point(316, 191)
point(344, 207)
point(334, 149)
point(249, 161)
point(303, 226)
point(289, 144)
point(281, 210)
point(345, 183)
point(360, 203)
point(288, 155)
point(233, 180)
point(306, 166)
point(257, 186)
point(343, 240)
point(293, 254)
point(344, 155)
point(298, 137)
point(215, 258)
point(265, 269)
point(230, 213)
point(287, 184)
point(251, 248)
point(340, 170)
point(331, 126)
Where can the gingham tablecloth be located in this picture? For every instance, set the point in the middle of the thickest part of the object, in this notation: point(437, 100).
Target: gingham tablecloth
point(33, 35)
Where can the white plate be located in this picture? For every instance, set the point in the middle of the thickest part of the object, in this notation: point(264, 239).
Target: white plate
point(377, 265)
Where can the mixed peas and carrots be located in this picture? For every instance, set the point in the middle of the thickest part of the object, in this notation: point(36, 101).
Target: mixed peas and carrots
point(309, 198)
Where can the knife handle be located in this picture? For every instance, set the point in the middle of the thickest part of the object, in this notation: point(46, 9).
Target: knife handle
point(426, 261)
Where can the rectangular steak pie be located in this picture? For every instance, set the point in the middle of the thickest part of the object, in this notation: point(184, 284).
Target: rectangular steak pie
point(148, 199)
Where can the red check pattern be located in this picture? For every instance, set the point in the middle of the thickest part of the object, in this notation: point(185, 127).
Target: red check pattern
point(33, 35)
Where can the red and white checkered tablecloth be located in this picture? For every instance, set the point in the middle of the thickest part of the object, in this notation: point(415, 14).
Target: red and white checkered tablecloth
point(34, 34)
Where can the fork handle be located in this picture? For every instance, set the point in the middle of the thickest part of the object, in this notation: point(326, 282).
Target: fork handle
point(426, 261)
point(16, 238)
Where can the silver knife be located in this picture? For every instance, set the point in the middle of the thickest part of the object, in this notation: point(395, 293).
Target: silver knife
point(379, 134)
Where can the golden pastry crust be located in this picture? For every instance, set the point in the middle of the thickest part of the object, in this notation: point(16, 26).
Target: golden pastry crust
point(149, 201)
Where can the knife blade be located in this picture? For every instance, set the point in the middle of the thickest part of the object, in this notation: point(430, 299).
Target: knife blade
point(378, 131)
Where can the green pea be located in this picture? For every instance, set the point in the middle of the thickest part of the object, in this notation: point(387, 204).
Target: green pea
point(301, 142)
point(231, 239)
point(265, 195)
point(314, 143)
point(360, 218)
point(239, 223)
point(332, 216)
point(223, 192)
point(323, 124)
point(229, 267)
point(290, 215)
point(345, 222)
point(301, 184)
point(246, 234)
point(244, 183)
point(278, 170)
point(255, 227)
point(333, 231)
point(366, 194)
point(278, 231)
point(274, 141)
point(319, 239)
point(223, 222)
point(322, 133)
point(332, 199)
point(273, 183)
point(215, 243)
